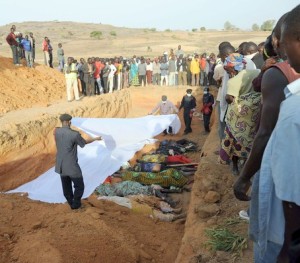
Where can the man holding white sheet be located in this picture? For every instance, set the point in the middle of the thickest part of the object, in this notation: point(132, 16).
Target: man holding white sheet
point(67, 165)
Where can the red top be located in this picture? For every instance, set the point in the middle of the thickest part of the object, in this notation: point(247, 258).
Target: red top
point(45, 45)
point(97, 69)
point(11, 39)
point(287, 71)
point(203, 63)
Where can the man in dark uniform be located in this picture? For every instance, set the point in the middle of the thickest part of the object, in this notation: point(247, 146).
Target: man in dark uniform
point(67, 165)
point(208, 101)
point(188, 104)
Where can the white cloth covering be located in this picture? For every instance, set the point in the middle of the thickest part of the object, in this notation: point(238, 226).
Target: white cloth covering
point(122, 138)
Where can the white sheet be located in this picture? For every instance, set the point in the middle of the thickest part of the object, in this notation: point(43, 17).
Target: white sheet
point(122, 139)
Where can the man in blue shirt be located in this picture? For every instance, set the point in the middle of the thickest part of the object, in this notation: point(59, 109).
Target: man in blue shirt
point(26, 43)
point(285, 144)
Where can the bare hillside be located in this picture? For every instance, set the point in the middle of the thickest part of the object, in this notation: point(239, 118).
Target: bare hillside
point(114, 41)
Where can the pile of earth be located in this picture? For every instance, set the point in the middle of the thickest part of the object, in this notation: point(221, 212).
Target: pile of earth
point(32, 231)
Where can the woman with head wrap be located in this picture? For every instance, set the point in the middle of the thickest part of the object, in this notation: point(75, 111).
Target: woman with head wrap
point(242, 113)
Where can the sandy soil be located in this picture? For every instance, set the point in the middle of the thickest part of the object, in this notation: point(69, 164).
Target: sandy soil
point(34, 232)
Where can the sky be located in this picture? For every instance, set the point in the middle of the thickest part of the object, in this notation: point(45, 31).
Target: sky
point(159, 14)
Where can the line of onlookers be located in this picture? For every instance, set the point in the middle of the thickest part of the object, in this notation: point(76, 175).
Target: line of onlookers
point(24, 47)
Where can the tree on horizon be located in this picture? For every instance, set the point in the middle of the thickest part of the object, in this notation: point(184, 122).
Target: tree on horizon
point(268, 25)
point(229, 26)
point(255, 27)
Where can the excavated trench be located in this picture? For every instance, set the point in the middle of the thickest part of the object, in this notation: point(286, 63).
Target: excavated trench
point(27, 150)
point(26, 137)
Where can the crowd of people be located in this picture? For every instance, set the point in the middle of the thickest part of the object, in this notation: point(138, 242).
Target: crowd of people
point(21, 47)
point(258, 101)
point(104, 75)
point(99, 75)
point(258, 113)
point(24, 47)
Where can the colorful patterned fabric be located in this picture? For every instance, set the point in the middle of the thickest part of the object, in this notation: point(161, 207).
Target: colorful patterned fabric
point(135, 81)
point(231, 147)
point(153, 158)
point(242, 116)
point(236, 61)
point(124, 188)
point(166, 178)
point(134, 78)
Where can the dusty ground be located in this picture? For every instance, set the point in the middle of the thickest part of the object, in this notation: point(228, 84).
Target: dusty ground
point(35, 232)
point(32, 231)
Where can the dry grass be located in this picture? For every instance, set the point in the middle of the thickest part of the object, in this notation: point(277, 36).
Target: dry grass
point(229, 237)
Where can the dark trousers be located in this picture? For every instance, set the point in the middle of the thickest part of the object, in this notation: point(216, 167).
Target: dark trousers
point(97, 88)
point(83, 87)
point(102, 82)
point(115, 82)
point(187, 121)
point(50, 59)
point(33, 54)
point(15, 54)
point(105, 87)
point(142, 79)
point(169, 130)
point(189, 78)
point(206, 121)
point(74, 199)
point(211, 80)
point(89, 85)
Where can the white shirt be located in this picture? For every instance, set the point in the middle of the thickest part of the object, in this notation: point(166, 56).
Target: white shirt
point(165, 108)
point(219, 74)
point(149, 66)
point(250, 64)
point(112, 70)
point(223, 103)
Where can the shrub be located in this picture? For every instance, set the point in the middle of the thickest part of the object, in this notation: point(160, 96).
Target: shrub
point(267, 25)
point(194, 30)
point(113, 33)
point(96, 34)
point(255, 27)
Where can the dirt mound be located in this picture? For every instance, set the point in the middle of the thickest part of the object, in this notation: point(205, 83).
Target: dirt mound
point(33, 232)
point(101, 232)
point(22, 87)
point(212, 204)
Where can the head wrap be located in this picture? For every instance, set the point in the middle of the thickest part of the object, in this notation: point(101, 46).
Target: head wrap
point(236, 61)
